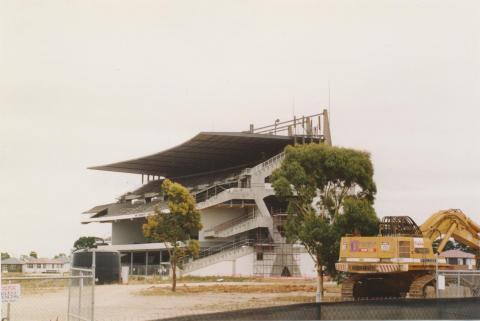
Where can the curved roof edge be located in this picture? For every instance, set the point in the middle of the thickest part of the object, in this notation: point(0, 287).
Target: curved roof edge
point(205, 152)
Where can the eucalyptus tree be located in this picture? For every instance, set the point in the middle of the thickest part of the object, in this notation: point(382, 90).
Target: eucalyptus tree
point(330, 192)
point(176, 226)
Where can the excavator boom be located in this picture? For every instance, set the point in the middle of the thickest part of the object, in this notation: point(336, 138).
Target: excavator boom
point(452, 223)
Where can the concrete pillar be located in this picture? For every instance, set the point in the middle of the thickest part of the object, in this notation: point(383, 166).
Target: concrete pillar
point(131, 262)
point(146, 263)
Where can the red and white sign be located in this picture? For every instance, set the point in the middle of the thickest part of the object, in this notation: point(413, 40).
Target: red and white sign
point(10, 292)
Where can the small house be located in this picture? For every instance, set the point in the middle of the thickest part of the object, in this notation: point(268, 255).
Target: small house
point(12, 265)
point(458, 257)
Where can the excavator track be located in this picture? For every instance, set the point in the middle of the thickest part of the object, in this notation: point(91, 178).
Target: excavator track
point(418, 285)
point(348, 286)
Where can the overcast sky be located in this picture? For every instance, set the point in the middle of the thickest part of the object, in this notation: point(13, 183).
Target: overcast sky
point(85, 83)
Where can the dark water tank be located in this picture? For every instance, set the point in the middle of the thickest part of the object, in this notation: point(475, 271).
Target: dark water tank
point(107, 264)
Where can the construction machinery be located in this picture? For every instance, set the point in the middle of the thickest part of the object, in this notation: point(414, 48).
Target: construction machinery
point(401, 261)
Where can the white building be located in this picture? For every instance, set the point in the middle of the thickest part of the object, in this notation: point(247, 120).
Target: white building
point(458, 257)
point(228, 173)
point(42, 265)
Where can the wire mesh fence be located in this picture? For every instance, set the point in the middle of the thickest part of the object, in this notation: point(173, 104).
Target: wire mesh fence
point(81, 295)
point(48, 297)
point(72, 297)
point(159, 270)
point(392, 309)
point(458, 284)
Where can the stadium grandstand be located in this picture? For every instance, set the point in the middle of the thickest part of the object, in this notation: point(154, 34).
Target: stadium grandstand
point(228, 173)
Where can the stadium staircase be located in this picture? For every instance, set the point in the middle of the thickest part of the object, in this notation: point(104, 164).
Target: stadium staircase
point(225, 196)
point(237, 225)
point(226, 191)
point(212, 255)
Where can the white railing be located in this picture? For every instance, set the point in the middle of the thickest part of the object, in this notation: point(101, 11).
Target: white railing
point(232, 222)
point(226, 195)
point(219, 257)
point(216, 254)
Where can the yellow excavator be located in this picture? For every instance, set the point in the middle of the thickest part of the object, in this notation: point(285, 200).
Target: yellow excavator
point(401, 262)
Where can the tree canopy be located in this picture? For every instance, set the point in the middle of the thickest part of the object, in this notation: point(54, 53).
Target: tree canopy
point(60, 256)
point(330, 192)
point(85, 242)
point(5, 255)
point(176, 227)
point(33, 254)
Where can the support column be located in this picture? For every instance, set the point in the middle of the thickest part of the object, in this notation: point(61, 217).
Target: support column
point(160, 266)
point(131, 263)
point(146, 263)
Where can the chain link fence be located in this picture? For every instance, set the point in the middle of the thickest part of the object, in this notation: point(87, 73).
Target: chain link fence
point(81, 295)
point(49, 297)
point(392, 309)
point(157, 270)
point(72, 298)
point(458, 284)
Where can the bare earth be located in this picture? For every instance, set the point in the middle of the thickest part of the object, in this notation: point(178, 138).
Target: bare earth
point(140, 302)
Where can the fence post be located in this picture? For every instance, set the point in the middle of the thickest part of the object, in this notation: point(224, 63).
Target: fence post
point(69, 294)
point(80, 286)
point(8, 307)
point(458, 285)
point(436, 276)
point(318, 310)
point(94, 268)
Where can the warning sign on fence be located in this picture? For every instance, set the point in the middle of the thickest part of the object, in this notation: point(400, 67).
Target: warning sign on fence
point(10, 292)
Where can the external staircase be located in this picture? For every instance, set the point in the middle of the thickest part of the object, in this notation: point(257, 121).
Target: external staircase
point(226, 191)
point(237, 225)
point(218, 254)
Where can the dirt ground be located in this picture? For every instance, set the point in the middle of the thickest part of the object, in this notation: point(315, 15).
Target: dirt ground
point(135, 302)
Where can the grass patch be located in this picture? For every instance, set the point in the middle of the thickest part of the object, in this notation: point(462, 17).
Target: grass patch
point(33, 286)
point(296, 299)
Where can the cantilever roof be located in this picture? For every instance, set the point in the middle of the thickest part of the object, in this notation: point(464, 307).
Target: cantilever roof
point(207, 151)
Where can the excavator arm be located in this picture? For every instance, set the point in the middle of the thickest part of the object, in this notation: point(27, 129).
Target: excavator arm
point(452, 223)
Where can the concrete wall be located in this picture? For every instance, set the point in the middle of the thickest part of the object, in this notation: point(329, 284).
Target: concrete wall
point(128, 232)
point(214, 216)
point(307, 265)
point(239, 266)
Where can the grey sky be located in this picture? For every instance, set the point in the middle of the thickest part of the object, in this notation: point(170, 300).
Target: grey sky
point(91, 82)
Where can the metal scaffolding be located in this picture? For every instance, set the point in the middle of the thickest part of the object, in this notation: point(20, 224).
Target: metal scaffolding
point(277, 257)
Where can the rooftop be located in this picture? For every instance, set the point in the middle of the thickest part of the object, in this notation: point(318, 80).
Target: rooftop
point(12, 261)
point(457, 254)
point(206, 152)
point(211, 152)
point(33, 260)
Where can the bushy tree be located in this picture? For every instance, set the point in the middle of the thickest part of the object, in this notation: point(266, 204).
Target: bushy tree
point(330, 191)
point(33, 254)
point(5, 255)
point(85, 242)
point(60, 256)
point(175, 227)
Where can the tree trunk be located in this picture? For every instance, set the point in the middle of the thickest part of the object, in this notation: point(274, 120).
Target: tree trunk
point(174, 276)
point(319, 294)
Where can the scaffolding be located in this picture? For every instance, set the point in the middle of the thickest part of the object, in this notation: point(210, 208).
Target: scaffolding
point(276, 257)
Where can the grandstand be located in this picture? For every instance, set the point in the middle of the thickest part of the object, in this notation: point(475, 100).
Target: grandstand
point(228, 173)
